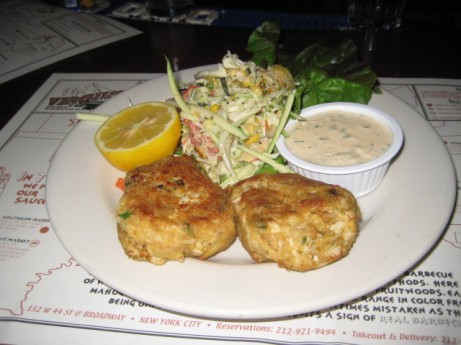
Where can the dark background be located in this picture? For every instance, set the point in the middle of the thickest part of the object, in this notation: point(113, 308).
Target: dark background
point(426, 46)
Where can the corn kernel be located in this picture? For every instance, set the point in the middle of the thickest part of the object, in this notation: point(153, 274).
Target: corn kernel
point(257, 90)
point(246, 82)
point(214, 107)
point(254, 138)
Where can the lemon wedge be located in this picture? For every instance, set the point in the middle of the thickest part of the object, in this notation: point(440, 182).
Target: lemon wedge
point(138, 135)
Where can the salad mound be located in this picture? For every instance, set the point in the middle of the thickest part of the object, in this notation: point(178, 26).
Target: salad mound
point(232, 116)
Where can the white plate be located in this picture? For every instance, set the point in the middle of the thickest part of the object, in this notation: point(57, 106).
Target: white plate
point(402, 220)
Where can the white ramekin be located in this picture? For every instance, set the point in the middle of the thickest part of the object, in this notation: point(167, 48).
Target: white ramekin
point(359, 179)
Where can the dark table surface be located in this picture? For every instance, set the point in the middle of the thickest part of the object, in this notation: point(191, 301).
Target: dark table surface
point(424, 47)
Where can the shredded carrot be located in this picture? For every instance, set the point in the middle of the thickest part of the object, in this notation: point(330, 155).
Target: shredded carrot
point(187, 93)
point(120, 183)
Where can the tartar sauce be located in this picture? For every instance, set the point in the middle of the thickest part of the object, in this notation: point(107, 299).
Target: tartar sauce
point(339, 138)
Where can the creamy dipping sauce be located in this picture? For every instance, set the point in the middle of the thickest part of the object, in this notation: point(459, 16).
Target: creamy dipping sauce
point(338, 138)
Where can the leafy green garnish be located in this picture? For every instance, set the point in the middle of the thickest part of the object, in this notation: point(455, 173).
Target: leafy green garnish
point(316, 87)
point(125, 214)
point(322, 73)
point(268, 169)
point(261, 225)
point(262, 43)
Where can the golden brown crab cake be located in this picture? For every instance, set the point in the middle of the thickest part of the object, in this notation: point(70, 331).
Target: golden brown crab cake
point(300, 224)
point(171, 210)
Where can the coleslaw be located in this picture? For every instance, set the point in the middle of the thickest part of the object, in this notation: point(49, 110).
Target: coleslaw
point(232, 116)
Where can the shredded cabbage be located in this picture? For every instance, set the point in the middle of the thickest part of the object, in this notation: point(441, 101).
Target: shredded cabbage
point(230, 117)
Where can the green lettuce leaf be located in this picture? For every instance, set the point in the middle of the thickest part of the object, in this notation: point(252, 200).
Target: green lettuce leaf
point(263, 42)
point(322, 73)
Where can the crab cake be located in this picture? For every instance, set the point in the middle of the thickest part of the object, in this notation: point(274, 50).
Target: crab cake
point(171, 210)
point(300, 224)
